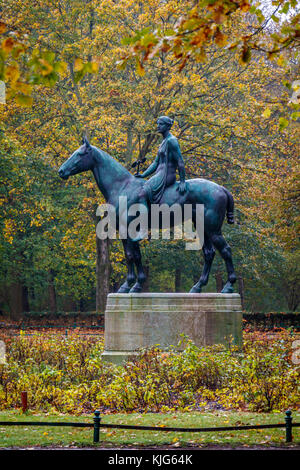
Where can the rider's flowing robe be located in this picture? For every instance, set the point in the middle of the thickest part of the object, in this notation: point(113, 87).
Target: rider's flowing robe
point(156, 185)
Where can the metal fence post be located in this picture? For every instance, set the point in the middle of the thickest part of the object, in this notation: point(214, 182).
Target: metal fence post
point(97, 421)
point(288, 426)
point(24, 401)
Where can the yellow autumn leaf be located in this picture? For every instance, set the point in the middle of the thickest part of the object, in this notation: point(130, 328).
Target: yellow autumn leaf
point(78, 65)
point(46, 67)
point(23, 87)
point(140, 69)
point(60, 67)
point(220, 39)
point(94, 67)
point(8, 44)
point(2, 27)
point(12, 73)
point(266, 113)
point(281, 61)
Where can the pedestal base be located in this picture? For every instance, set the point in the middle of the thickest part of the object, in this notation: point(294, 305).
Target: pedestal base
point(135, 321)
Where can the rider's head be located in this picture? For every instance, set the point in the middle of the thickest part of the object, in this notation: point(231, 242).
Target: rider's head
point(164, 122)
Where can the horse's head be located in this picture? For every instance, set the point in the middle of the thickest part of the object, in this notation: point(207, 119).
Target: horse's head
point(81, 160)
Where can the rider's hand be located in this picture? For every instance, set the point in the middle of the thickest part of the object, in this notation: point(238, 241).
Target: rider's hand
point(182, 187)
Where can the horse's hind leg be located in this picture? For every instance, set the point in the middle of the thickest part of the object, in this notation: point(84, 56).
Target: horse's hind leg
point(209, 254)
point(129, 255)
point(225, 251)
point(141, 277)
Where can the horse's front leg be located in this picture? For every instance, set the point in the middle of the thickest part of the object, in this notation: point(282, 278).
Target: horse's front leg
point(129, 255)
point(141, 276)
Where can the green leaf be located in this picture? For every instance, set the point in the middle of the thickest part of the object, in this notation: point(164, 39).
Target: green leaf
point(283, 123)
point(23, 100)
point(274, 18)
point(246, 56)
point(148, 39)
point(295, 115)
point(60, 67)
point(285, 8)
point(287, 84)
point(127, 41)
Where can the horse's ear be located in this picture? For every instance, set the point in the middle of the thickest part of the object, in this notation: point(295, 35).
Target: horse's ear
point(85, 141)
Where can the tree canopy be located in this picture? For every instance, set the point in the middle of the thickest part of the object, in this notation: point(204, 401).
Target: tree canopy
point(230, 117)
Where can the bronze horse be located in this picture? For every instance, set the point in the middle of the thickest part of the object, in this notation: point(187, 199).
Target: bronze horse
point(114, 181)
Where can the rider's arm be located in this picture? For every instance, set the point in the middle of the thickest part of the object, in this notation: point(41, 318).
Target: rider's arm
point(181, 168)
point(174, 147)
point(151, 169)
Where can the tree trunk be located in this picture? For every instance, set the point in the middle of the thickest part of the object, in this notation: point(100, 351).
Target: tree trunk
point(242, 291)
point(147, 283)
point(219, 281)
point(16, 300)
point(292, 296)
point(69, 305)
point(177, 279)
point(102, 273)
point(25, 299)
point(129, 146)
point(51, 292)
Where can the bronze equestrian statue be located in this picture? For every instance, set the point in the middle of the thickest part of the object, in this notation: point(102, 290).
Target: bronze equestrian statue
point(115, 181)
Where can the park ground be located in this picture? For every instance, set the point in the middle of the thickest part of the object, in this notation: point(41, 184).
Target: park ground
point(65, 374)
point(67, 437)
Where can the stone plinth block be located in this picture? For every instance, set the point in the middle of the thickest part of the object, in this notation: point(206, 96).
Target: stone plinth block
point(134, 321)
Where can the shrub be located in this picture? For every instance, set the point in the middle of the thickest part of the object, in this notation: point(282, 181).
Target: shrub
point(266, 379)
point(67, 374)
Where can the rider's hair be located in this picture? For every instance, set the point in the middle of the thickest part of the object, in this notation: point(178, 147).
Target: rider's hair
point(166, 120)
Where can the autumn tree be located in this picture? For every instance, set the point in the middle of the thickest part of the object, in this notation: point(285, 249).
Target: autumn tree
point(227, 116)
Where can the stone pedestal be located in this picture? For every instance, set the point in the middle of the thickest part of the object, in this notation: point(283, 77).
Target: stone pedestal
point(134, 321)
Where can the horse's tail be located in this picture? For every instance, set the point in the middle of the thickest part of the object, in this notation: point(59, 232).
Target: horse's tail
point(230, 207)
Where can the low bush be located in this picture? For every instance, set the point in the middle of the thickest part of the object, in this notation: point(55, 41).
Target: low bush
point(67, 374)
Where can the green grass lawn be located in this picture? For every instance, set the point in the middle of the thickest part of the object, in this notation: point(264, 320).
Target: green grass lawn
point(30, 436)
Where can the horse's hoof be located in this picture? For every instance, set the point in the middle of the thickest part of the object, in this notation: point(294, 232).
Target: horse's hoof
point(227, 289)
point(140, 237)
point(137, 288)
point(195, 290)
point(124, 288)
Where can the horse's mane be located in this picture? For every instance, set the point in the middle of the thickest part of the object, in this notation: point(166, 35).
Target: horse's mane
point(108, 157)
